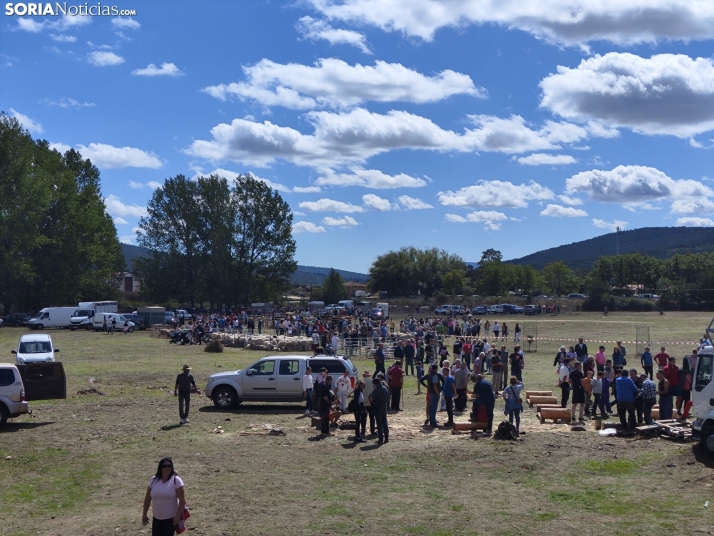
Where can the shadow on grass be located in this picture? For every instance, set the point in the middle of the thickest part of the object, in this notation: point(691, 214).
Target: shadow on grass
point(373, 446)
point(318, 437)
point(273, 409)
point(171, 426)
point(702, 456)
point(17, 426)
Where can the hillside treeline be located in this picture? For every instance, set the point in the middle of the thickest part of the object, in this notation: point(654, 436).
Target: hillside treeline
point(683, 281)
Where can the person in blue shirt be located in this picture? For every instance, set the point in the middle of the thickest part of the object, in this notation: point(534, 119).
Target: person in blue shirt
point(626, 393)
point(449, 391)
point(483, 396)
point(646, 360)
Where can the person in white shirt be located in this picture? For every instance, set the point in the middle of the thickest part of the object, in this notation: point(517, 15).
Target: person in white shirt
point(335, 341)
point(307, 385)
point(344, 387)
point(563, 377)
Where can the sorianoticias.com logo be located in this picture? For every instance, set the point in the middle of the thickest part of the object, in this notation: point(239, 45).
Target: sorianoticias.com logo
point(82, 10)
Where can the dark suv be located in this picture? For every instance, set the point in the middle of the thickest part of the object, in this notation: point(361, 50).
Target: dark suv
point(16, 320)
point(139, 321)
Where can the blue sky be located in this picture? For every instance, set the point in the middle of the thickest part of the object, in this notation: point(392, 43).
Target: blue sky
point(463, 125)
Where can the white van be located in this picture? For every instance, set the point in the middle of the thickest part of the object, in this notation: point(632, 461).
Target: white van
point(98, 322)
point(35, 348)
point(83, 315)
point(347, 304)
point(385, 309)
point(52, 317)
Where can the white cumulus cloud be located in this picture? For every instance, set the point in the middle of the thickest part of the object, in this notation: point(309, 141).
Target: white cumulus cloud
point(26, 121)
point(166, 69)
point(120, 221)
point(368, 178)
point(633, 184)
point(612, 226)
point(560, 211)
point(319, 29)
point(354, 136)
point(695, 222)
point(376, 202)
point(307, 227)
point(102, 58)
point(487, 217)
point(106, 156)
point(116, 208)
point(154, 185)
point(333, 82)
point(569, 22)
point(126, 23)
point(496, 194)
point(346, 221)
point(570, 200)
point(330, 205)
point(413, 203)
point(63, 38)
point(542, 159)
point(692, 206)
point(306, 189)
point(669, 94)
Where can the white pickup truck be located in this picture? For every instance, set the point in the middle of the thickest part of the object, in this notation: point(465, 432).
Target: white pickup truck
point(275, 378)
point(703, 401)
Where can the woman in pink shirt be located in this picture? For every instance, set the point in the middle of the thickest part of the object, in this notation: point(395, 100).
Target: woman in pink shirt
point(167, 493)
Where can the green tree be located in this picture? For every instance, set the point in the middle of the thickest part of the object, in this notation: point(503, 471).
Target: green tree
point(410, 270)
point(57, 243)
point(453, 282)
point(264, 249)
point(333, 289)
point(172, 232)
point(559, 277)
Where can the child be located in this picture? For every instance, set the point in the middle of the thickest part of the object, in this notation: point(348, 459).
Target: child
point(596, 387)
point(126, 327)
point(587, 385)
point(420, 375)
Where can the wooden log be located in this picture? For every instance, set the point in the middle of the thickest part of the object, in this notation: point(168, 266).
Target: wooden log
point(542, 400)
point(538, 393)
point(540, 406)
point(470, 425)
point(554, 413)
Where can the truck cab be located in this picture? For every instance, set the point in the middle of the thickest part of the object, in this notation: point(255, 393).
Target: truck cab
point(703, 401)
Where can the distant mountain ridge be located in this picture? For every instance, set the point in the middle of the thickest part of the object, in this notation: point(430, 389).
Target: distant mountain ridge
point(660, 242)
point(304, 275)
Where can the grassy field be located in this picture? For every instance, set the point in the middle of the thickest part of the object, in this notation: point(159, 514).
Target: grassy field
point(81, 465)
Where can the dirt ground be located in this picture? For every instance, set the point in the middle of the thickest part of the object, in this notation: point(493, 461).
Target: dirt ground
point(81, 465)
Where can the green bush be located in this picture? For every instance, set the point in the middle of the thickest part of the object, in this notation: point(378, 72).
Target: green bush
point(214, 346)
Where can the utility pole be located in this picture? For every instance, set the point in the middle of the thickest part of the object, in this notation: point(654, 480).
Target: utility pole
point(617, 229)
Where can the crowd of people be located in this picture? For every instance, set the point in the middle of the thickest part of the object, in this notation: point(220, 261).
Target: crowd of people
point(593, 380)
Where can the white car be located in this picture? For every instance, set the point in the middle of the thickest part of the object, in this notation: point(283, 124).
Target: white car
point(35, 348)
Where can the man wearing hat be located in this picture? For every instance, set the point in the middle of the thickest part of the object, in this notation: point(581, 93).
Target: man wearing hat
point(182, 389)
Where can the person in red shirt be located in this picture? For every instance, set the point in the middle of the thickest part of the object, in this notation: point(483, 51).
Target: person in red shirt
point(671, 372)
point(396, 381)
point(662, 358)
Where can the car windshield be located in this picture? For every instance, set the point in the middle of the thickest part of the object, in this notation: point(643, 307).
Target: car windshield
point(35, 347)
point(704, 371)
point(351, 366)
point(38, 315)
point(81, 312)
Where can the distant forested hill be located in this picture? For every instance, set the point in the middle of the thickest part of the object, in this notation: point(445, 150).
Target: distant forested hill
point(305, 275)
point(660, 242)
